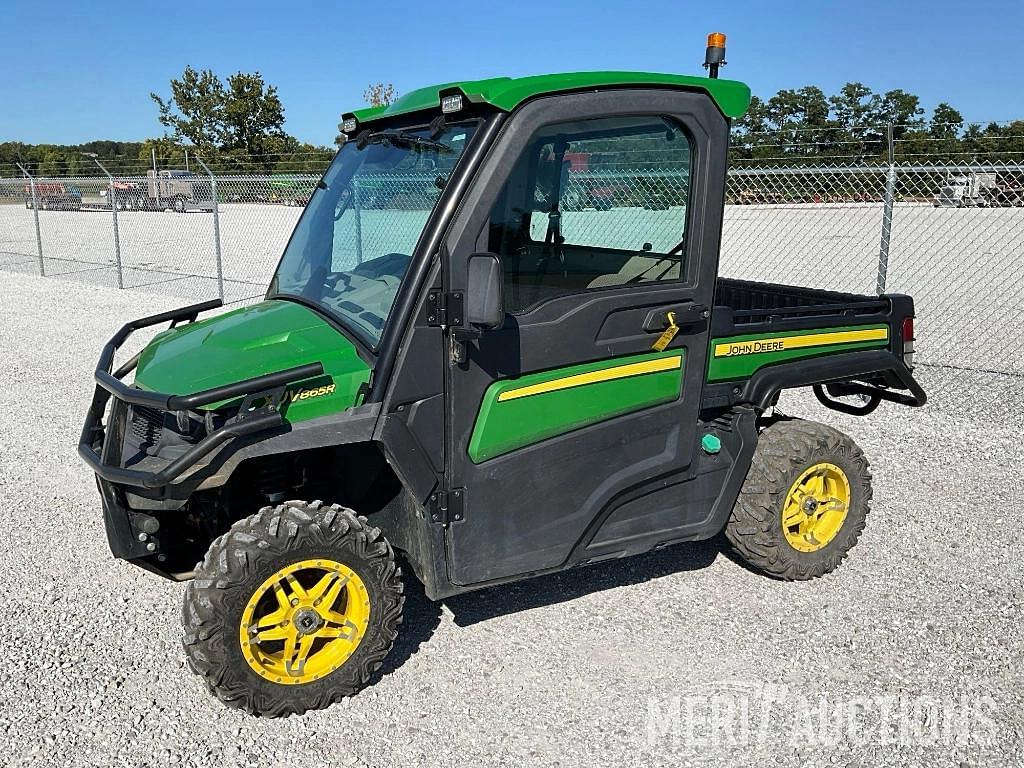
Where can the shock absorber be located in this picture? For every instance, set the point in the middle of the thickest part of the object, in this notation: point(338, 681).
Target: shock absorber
point(275, 479)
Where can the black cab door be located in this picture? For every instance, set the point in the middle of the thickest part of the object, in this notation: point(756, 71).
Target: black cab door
point(566, 426)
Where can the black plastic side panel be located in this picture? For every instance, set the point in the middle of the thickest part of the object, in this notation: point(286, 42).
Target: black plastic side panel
point(672, 512)
point(420, 543)
point(407, 457)
point(352, 426)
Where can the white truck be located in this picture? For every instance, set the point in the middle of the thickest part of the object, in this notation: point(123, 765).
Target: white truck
point(974, 189)
point(176, 190)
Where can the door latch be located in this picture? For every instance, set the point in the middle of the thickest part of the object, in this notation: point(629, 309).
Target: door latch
point(667, 335)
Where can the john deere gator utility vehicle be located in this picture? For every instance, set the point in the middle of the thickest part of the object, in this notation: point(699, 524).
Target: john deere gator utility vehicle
point(454, 371)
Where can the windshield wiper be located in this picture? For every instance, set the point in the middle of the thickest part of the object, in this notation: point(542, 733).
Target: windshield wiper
point(401, 137)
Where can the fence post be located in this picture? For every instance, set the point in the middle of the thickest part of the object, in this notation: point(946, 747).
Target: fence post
point(358, 210)
point(35, 214)
point(890, 197)
point(216, 228)
point(112, 198)
point(156, 181)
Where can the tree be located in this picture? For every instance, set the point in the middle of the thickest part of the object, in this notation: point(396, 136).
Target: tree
point(252, 114)
point(168, 154)
point(379, 94)
point(902, 110)
point(800, 119)
point(856, 110)
point(195, 109)
point(855, 106)
point(376, 95)
point(946, 122)
point(1005, 142)
point(241, 117)
point(748, 132)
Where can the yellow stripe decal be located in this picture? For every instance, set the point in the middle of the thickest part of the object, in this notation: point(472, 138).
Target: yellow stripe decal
point(595, 377)
point(758, 346)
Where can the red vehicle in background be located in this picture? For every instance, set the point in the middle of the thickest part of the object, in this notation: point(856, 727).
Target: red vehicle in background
point(584, 190)
point(53, 196)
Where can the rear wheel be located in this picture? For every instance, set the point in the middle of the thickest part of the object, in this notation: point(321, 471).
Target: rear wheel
point(804, 503)
point(292, 609)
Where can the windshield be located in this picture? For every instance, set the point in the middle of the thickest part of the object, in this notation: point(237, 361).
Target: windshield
point(351, 248)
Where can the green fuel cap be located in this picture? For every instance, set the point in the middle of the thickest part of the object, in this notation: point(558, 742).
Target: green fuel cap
point(710, 443)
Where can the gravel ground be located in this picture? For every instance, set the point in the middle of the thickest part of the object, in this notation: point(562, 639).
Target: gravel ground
point(643, 661)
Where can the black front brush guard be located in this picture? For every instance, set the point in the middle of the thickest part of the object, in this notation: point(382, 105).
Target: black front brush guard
point(108, 385)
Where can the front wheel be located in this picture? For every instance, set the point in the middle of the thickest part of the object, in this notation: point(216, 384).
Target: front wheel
point(804, 503)
point(293, 609)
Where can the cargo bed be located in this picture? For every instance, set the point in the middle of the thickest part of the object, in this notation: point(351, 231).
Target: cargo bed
point(744, 310)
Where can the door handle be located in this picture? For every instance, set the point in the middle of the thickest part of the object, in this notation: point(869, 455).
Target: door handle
point(685, 314)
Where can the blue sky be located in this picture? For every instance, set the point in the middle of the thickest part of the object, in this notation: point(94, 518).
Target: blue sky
point(78, 71)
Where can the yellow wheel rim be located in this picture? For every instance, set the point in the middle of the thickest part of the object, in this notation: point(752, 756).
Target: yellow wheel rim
point(816, 507)
point(304, 622)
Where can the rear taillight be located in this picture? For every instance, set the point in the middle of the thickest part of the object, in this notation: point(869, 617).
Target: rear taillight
point(907, 334)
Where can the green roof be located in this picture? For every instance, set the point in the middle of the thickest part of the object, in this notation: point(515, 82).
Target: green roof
point(507, 93)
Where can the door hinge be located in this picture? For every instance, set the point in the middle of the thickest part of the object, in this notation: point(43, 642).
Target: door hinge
point(444, 309)
point(447, 507)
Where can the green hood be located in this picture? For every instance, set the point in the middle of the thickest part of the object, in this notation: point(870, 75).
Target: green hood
point(251, 341)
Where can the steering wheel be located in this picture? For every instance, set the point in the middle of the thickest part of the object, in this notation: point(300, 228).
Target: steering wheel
point(383, 266)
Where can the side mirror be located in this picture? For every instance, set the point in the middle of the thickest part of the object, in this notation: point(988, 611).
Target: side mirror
point(485, 292)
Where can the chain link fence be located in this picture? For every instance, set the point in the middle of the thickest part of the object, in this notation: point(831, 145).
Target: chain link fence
point(950, 235)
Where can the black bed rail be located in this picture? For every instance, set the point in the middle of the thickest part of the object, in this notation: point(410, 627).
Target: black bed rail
point(748, 303)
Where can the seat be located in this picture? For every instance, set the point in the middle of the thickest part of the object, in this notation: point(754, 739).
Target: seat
point(638, 268)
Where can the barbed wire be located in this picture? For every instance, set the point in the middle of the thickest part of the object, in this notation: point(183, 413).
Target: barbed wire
point(877, 126)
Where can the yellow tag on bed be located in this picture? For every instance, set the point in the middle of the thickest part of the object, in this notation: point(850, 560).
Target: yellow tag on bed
point(668, 334)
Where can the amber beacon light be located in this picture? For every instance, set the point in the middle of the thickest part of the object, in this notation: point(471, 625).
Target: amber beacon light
point(715, 55)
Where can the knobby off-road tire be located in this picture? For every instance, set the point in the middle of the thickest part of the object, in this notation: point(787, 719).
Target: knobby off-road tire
point(788, 451)
point(239, 565)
